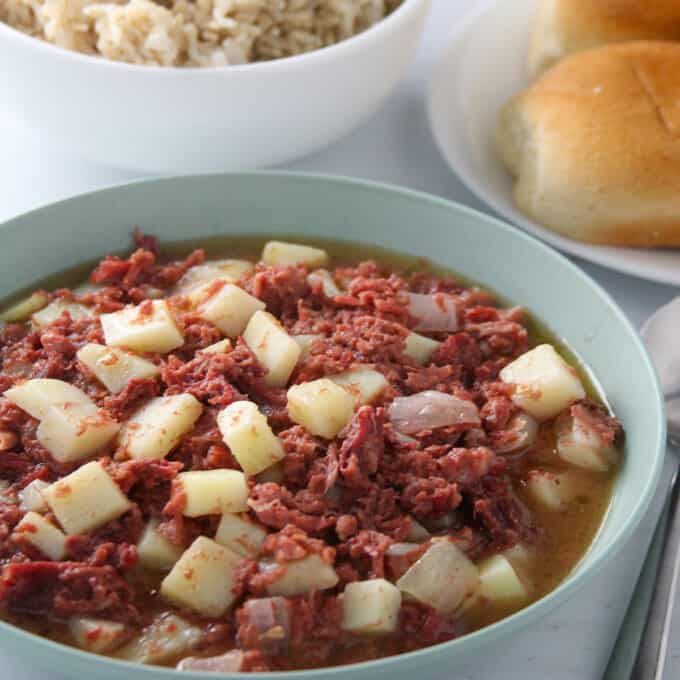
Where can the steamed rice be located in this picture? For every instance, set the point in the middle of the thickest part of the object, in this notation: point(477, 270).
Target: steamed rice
point(193, 32)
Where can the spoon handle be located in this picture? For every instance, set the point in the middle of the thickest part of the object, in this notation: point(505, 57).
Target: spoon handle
point(653, 660)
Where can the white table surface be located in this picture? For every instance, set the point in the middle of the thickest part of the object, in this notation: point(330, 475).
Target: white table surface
point(394, 146)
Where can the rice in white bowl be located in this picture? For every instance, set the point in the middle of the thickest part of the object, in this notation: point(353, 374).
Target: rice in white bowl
point(193, 32)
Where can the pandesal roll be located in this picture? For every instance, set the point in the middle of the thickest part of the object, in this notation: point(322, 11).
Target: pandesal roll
point(566, 26)
point(594, 145)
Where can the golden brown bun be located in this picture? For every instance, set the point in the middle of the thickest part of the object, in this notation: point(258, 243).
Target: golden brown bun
point(594, 145)
point(567, 26)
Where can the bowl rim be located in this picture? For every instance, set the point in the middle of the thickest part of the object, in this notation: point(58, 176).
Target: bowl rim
point(354, 44)
point(493, 633)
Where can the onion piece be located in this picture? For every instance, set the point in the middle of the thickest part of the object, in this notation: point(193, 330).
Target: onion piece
point(524, 432)
point(401, 549)
point(431, 409)
point(436, 313)
point(270, 616)
point(400, 556)
point(231, 662)
point(442, 578)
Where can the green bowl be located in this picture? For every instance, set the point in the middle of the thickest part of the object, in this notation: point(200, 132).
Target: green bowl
point(522, 269)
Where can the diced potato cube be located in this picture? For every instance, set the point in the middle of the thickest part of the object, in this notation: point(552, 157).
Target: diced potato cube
point(582, 445)
point(521, 558)
point(240, 535)
point(304, 576)
point(443, 577)
point(545, 383)
point(328, 285)
point(246, 432)
point(272, 347)
point(213, 492)
point(114, 367)
point(417, 533)
point(365, 384)
point(305, 343)
point(420, 348)
point(230, 309)
point(549, 490)
point(148, 327)
point(158, 426)
point(37, 395)
point(98, 635)
point(321, 406)
point(216, 270)
point(499, 581)
point(371, 606)
point(221, 347)
point(31, 498)
point(22, 310)
point(155, 551)
point(71, 432)
point(56, 308)
point(42, 534)
point(202, 579)
point(167, 638)
point(282, 253)
point(86, 499)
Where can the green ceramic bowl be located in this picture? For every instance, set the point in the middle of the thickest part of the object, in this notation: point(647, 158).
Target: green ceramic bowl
point(59, 236)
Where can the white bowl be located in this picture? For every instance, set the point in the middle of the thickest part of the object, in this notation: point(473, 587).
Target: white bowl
point(483, 66)
point(189, 120)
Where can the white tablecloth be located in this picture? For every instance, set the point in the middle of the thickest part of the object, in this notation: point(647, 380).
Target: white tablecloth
point(394, 146)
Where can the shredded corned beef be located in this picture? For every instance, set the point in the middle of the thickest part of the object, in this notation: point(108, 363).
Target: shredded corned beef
point(275, 506)
point(146, 482)
point(280, 288)
point(500, 513)
point(363, 446)
point(594, 417)
point(137, 391)
point(370, 502)
point(64, 589)
point(203, 448)
point(291, 543)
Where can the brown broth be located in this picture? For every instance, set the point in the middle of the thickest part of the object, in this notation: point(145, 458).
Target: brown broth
point(569, 533)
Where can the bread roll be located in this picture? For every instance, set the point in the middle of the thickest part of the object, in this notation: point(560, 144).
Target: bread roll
point(594, 145)
point(567, 26)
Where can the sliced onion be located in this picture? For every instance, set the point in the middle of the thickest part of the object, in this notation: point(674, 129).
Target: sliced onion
point(523, 433)
point(401, 549)
point(400, 556)
point(270, 617)
point(436, 313)
point(231, 662)
point(443, 577)
point(431, 409)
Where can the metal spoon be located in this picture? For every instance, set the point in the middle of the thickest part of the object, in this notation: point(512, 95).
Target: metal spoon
point(662, 565)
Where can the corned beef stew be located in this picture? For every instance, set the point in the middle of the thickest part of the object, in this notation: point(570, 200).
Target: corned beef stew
point(291, 462)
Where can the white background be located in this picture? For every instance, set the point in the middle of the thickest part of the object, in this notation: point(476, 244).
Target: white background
point(394, 146)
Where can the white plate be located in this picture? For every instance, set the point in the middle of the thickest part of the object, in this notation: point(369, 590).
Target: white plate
point(484, 65)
